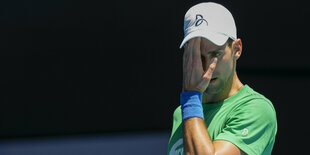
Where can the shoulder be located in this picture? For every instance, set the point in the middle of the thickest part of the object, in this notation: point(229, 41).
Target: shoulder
point(257, 102)
point(253, 100)
point(251, 125)
point(256, 108)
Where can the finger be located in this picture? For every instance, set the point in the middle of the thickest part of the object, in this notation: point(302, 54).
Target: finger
point(196, 48)
point(197, 62)
point(188, 54)
point(211, 68)
point(187, 63)
point(190, 43)
point(202, 86)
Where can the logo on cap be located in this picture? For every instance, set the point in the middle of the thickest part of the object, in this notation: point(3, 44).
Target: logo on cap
point(200, 20)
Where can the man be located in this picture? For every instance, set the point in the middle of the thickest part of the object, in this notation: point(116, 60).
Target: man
point(218, 114)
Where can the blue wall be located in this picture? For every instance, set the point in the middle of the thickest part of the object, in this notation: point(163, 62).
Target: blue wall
point(121, 144)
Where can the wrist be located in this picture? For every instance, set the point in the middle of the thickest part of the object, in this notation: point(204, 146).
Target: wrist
point(190, 90)
point(191, 105)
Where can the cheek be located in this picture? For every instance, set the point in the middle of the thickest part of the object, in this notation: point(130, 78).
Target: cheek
point(223, 68)
point(227, 62)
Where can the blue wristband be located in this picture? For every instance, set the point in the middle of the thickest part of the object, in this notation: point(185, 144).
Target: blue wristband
point(191, 104)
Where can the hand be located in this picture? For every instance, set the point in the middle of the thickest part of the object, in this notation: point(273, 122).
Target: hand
point(194, 77)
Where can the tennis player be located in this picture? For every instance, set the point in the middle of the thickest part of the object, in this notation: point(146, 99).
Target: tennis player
point(218, 113)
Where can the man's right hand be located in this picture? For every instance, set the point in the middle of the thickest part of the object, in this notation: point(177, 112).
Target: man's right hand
point(194, 77)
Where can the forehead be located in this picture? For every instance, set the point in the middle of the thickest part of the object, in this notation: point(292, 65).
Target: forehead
point(207, 46)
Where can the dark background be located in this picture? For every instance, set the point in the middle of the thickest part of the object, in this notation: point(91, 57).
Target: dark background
point(95, 67)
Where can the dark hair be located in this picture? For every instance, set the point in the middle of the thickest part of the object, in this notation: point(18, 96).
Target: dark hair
point(229, 42)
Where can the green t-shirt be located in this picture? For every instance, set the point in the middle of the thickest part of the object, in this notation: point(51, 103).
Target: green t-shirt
point(246, 119)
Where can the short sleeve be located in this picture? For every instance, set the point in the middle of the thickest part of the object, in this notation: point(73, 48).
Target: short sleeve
point(252, 127)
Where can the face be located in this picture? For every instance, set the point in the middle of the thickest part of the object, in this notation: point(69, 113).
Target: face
point(224, 69)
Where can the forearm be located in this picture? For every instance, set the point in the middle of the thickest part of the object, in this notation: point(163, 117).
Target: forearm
point(196, 138)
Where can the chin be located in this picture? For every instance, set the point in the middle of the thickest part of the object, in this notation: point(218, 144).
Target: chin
point(214, 89)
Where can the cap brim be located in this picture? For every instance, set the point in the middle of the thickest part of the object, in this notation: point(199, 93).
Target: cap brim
point(216, 38)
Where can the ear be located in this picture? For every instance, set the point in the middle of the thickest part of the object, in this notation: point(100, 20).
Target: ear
point(237, 48)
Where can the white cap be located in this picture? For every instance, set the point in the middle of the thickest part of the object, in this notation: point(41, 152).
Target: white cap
point(211, 21)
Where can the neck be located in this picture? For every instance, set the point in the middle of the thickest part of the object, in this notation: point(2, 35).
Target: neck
point(231, 88)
